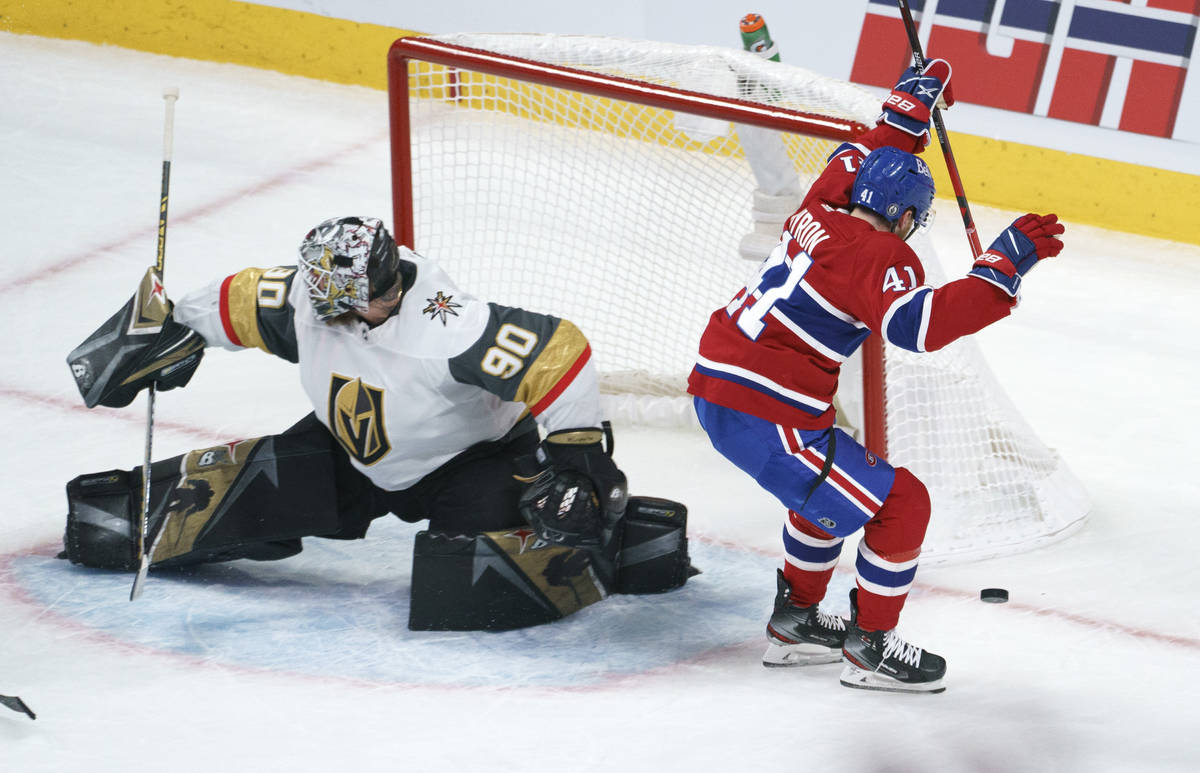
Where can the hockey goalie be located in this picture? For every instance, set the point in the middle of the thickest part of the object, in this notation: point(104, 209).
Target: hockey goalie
point(427, 404)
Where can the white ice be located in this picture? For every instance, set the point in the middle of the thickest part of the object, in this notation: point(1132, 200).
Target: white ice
point(307, 664)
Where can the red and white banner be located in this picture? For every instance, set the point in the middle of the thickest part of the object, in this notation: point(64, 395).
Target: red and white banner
point(1121, 65)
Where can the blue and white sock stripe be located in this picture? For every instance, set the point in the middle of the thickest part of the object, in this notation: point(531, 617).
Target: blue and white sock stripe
point(906, 322)
point(882, 577)
point(810, 553)
point(761, 383)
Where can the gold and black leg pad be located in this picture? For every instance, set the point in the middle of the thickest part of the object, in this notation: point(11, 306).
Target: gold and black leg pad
point(248, 499)
point(512, 578)
point(653, 555)
point(498, 580)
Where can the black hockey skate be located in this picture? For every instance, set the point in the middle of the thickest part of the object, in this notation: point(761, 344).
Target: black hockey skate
point(881, 660)
point(801, 636)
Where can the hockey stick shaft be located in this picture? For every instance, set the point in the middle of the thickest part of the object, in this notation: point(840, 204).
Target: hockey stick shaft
point(964, 208)
point(170, 95)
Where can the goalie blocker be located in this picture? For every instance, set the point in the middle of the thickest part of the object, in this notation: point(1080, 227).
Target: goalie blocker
point(258, 498)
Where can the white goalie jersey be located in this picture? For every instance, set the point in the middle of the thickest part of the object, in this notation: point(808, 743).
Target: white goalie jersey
point(445, 372)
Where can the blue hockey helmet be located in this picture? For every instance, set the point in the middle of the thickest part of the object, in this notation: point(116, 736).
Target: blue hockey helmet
point(891, 182)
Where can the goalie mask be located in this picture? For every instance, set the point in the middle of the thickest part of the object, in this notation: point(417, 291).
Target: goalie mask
point(346, 262)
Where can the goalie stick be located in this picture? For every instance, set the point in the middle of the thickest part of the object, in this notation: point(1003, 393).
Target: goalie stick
point(144, 556)
point(16, 704)
point(914, 42)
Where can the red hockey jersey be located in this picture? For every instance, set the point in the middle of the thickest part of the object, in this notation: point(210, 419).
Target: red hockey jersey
point(775, 351)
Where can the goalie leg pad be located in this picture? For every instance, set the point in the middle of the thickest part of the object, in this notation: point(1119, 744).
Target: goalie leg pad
point(496, 581)
point(248, 499)
point(654, 555)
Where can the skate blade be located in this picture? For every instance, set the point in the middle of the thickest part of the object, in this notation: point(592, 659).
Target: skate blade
point(779, 655)
point(860, 679)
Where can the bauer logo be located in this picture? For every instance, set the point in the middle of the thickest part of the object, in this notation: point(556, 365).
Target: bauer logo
point(1059, 60)
point(101, 480)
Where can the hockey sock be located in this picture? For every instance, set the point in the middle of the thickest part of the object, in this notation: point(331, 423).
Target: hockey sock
point(888, 553)
point(810, 554)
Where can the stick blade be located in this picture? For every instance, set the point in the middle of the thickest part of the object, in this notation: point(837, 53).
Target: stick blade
point(18, 705)
point(140, 580)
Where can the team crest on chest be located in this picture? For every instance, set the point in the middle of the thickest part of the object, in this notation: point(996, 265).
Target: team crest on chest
point(356, 418)
point(440, 305)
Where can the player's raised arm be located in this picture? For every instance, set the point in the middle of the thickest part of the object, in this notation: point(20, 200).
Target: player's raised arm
point(903, 123)
point(244, 310)
point(909, 313)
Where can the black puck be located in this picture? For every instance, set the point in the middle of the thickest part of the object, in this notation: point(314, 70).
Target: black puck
point(993, 595)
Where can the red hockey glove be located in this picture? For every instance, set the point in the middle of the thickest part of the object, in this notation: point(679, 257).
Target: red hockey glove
point(1018, 249)
point(911, 103)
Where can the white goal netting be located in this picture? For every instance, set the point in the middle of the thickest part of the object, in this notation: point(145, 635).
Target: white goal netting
point(627, 219)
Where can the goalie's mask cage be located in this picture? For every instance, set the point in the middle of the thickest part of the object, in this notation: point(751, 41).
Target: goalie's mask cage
point(347, 262)
point(890, 182)
point(611, 181)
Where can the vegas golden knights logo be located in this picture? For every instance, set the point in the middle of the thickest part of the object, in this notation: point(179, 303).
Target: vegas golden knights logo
point(356, 418)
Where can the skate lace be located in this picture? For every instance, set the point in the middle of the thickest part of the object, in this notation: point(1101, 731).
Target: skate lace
point(830, 622)
point(894, 646)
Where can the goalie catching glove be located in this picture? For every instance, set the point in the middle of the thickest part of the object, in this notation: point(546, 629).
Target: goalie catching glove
point(577, 491)
point(138, 346)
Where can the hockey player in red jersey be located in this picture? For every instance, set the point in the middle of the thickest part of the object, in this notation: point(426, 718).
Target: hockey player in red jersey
point(426, 403)
point(767, 372)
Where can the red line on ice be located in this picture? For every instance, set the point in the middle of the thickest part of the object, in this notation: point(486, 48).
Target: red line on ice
point(148, 235)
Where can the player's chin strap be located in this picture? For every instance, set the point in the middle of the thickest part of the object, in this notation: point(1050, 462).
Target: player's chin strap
point(912, 229)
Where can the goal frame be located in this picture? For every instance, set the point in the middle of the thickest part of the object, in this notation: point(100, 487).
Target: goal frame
point(453, 56)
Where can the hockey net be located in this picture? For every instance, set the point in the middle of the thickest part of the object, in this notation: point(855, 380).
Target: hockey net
point(618, 183)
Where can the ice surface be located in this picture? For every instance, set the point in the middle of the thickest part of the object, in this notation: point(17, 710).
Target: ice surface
point(307, 664)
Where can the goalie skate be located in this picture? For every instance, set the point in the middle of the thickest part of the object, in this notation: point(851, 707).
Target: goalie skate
point(801, 636)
